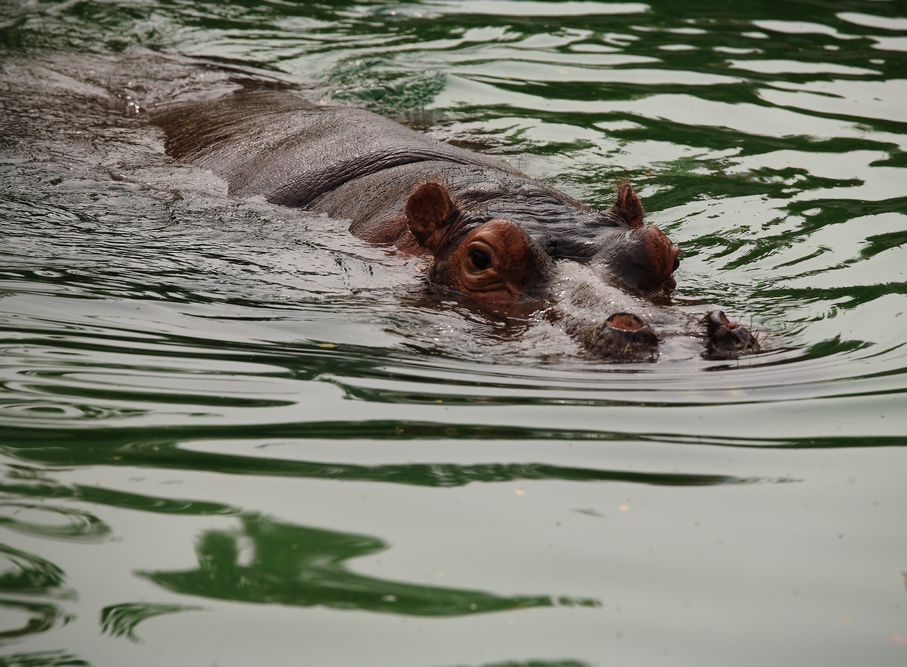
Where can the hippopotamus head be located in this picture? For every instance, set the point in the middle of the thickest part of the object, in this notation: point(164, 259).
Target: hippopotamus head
point(496, 263)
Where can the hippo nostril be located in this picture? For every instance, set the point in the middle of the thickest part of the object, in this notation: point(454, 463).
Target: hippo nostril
point(727, 339)
point(631, 331)
point(625, 322)
point(622, 337)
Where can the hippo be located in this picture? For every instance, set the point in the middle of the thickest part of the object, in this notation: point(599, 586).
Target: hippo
point(498, 239)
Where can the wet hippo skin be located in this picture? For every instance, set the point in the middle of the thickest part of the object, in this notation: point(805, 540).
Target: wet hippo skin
point(499, 239)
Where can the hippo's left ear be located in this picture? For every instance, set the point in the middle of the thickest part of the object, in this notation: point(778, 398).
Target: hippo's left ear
point(429, 211)
point(628, 205)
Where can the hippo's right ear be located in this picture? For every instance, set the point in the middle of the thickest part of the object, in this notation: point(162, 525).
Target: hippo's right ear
point(429, 211)
point(628, 206)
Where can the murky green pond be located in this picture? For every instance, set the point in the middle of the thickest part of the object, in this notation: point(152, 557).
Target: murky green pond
point(233, 434)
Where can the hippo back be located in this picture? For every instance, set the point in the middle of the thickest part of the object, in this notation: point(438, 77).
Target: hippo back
point(292, 151)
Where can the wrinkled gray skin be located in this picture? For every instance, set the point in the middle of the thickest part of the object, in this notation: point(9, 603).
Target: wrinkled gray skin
point(589, 268)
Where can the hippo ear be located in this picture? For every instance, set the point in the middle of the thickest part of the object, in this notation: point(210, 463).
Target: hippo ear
point(628, 205)
point(429, 210)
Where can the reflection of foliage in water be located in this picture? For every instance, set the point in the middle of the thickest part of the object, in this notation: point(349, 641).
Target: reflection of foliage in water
point(120, 620)
point(27, 573)
point(42, 659)
point(42, 616)
point(70, 523)
point(305, 567)
point(374, 84)
point(175, 451)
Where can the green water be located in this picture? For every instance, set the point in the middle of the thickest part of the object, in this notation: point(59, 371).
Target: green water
point(232, 434)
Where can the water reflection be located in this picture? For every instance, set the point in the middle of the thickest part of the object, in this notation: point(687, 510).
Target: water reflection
point(25, 617)
point(266, 561)
point(49, 521)
point(26, 575)
point(121, 620)
point(45, 659)
point(203, 454)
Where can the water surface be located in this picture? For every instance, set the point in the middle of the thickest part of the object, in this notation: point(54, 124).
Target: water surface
point(233, 434)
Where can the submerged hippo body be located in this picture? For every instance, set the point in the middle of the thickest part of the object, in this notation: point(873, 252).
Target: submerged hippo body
point(498, 238)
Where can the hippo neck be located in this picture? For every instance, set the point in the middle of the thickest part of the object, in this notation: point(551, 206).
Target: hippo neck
point(564, 226)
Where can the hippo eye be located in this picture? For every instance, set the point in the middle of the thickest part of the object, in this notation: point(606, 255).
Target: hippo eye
point(479, 258)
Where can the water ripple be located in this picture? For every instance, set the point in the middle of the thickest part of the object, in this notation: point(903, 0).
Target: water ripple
point(220, 404)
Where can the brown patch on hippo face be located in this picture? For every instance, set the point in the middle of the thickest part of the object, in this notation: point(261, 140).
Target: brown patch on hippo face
point(643, 259)
point(664, 259)
point(495, 263)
